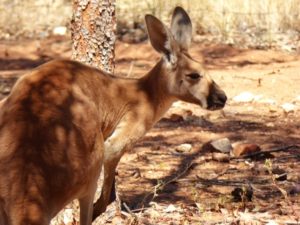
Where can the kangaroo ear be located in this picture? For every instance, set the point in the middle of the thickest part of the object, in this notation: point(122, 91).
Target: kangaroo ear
point(181, 27)
point(160, 36)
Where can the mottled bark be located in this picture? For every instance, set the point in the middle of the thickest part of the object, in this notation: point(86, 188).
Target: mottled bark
point(93, 33)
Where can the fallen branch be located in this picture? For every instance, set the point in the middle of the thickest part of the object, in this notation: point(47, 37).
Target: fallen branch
point(160, 186)
point(233, 183)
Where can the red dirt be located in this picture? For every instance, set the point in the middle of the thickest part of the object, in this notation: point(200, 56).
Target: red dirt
point(202, 192)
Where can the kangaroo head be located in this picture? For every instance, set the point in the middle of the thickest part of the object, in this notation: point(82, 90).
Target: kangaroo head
point(187, 79)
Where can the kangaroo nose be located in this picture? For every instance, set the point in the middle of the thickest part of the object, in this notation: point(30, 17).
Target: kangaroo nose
point(223, 98)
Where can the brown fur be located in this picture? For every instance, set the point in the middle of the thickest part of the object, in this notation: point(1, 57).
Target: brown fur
point(64, 119)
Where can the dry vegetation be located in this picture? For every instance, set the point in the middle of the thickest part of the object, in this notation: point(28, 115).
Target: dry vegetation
point(190, 187)
point(221, 16)
point(32, 18)
point(245, 23)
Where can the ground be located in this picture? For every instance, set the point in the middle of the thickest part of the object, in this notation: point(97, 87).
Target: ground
point(168, 177)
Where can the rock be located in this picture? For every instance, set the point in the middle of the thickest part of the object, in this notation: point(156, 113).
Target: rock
point(220, 157)
point(222, 145)
point(171, 208)
point(270, 124)
point(244, 97)
point(184, 147)
point(6, 90)
point(240, 149)
point(60, 30)
point(288, 107)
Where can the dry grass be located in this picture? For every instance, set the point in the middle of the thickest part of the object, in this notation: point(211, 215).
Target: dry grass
point(32, 18)
point(221, 15)
point(264, 21)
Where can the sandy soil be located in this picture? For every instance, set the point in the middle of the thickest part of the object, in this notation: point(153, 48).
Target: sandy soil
point(163, 185)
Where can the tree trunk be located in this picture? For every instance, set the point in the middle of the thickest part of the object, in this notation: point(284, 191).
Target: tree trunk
point(93, 33)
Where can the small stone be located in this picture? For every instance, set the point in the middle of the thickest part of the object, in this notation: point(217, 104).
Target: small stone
point(244, 97)
point(270, 124)
point(273, 109)
point(222, 145)
point(171, 208)
point(6, 90)
point(240, 149)
point(288, 107)
point(220, 157)
point(184, 147)
point(60, 30)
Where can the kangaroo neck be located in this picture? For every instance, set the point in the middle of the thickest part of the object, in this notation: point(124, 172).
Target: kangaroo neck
point(155, 85)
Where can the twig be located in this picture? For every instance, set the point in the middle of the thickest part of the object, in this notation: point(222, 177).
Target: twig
point(229, 182)
point(139, 209)
point(134, 217)
point(278, 149)
point(269, 167)
point(286, 157)
point(162, 184)
point(128, 209)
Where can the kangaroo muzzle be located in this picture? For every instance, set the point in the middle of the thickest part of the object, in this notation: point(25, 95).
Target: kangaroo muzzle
point(216, 98)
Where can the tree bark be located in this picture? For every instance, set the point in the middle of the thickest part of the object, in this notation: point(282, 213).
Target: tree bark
point(93, 33)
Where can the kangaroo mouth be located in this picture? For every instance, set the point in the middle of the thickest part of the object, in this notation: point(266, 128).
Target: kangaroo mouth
point(217, 98)
point(216, 106)
point(217, 102)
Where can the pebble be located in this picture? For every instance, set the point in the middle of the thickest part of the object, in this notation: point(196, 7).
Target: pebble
point(222, 145)
point(244, 97)
point(171, 208)
point(60, 30)
point(288, 107)
point(184, 147)
point(270, 124)
point(273, 109)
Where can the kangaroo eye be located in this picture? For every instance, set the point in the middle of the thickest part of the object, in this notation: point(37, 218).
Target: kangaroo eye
point(194, 76)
